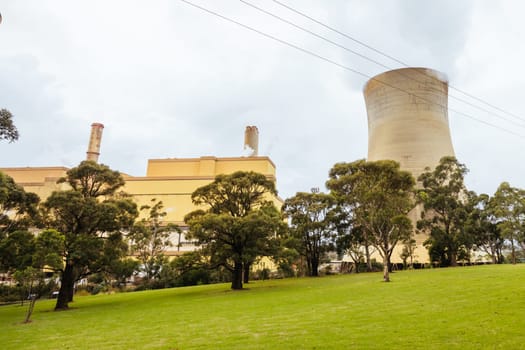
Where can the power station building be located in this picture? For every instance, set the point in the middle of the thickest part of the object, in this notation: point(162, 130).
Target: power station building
point(408, 122)
point(170, 180)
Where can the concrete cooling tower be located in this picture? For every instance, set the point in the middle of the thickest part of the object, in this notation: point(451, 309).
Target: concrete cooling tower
point(408, 122)
point(408, 118)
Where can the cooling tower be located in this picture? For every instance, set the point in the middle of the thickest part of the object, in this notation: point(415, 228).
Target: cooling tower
point(251, 140)
point(408, 118)
point(408, 122)
point(94, 142)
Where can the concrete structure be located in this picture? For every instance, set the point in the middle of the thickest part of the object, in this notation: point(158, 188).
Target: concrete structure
point(408, 118)
point(408, 122)
point(171, 180)
point(94, 142)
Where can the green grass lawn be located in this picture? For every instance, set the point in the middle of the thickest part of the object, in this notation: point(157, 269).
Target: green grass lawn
point(457, 308)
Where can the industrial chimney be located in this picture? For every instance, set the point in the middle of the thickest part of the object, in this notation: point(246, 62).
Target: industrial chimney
point(408, 118)
point(251, 141)
point(94, 142)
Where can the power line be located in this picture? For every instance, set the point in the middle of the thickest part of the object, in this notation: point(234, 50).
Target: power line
point(374, 61)
point(311, 53)
point(391, 57)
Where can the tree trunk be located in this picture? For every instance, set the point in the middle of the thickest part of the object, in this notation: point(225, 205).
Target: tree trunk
point(386, 272)
point(356, 264)
point(513, 250)
point(237, 276)
point(65, 294)
point(246, 272)
point(315, 268)
point(453, 259)
point(71, 291)
point(368, 260)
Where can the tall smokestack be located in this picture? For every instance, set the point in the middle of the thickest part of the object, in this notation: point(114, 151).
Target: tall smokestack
point(251, 140)
point(408, 118)
point(94, 142)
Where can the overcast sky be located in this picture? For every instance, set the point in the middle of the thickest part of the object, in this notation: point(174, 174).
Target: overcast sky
point(170, 80)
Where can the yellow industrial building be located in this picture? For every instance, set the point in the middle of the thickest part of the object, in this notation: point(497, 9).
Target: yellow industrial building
point(171, 180)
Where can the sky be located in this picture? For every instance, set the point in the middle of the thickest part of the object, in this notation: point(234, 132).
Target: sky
point(169, 80)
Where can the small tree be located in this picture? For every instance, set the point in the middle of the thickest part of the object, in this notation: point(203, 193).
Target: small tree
point(408, 252)
point(509, 209)
point(312, 225)
point(351, 237)
point(149, 240)
point(446, 210)
point(350, 242)
point(482, 224)
point(8, 129)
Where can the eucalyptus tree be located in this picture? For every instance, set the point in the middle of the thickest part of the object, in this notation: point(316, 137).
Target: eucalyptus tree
point(312, 219)
point(150, 238)
point(509, 209)
point(379, 196)
point(446, 209)
point(483, 225)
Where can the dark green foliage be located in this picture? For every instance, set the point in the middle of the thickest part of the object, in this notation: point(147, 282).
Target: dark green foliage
point(89, 219)
point(447, 206)
point(8, 130)
point(16, 251)
point(122, 270)
point(483, 226)
point(312, 226)
point(508, 205)
point(239, 224)
point(18, 208)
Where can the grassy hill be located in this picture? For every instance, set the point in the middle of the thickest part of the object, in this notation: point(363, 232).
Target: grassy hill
point(457, 308)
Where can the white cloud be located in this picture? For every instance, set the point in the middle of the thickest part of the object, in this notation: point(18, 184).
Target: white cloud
point(169, 80)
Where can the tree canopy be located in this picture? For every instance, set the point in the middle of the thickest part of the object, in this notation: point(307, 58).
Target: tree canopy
point(149, 239)
point(18, 208)
point(239, 221)
point(89, 219)
point(8, 130)
point(508, 206)
point(312, 226)
point(482, 225)
point(378, 196)
point(447, 206)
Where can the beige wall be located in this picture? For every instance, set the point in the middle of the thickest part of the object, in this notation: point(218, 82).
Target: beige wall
point(39, 180)
point(174, 180)
point(171, 181)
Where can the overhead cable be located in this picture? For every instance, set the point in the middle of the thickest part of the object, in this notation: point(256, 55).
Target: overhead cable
point(311, 53)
